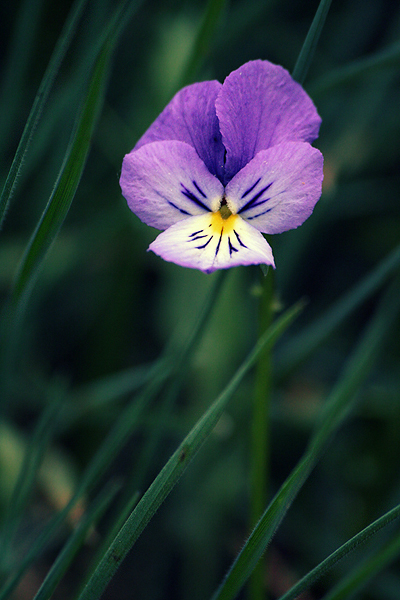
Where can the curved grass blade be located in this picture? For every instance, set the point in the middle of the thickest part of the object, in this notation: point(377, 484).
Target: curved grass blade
point(331, 417)
point(366, 571)
point(202, 43)
point(39, 102)
point(16, 66)
point(307, 52)
point(170, 363)
point(34, 454)
point(304, 343)
point(176, 465)
point(75, 542)
point(390, 57)
point(354, 543)
point(66, 185)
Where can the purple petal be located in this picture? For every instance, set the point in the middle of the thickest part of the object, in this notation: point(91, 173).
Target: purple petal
point(165, 182)
point(190, 117)
point(279, 188)
point(259, 106)
point(208, 242)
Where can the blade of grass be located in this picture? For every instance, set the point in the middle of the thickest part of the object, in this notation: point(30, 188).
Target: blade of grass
point(64, 190)
point(75, 542)
point(260, 430)
point(43, 434)
point(332, 415)
point(387, 58)
point(354, 543)
point(304, 343)
point(179, 368)
point(307, 52)
point(123, 428)
point(176, 465)
point(202, 43)
point(39, 102)
point(363, 573)
point(16, 66)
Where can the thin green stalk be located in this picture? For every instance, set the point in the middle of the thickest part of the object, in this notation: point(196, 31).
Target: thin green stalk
point(34, 453)
point(174, 468)
point(39, 102)
point(178, 372)
point(387, 58)
point(333, 414)
point(364, 572)
point(119, 434)
point(354, 543)
point(202, 43)
point(307, 52)
point(75, 541)
point(260, 432)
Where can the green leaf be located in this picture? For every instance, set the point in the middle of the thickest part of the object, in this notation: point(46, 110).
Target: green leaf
point(331, 417)
point(354, 543)
point(174, 468)
point(307, 52)
point(39, 102)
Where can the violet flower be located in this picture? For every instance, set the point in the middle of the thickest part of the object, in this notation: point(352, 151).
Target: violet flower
point(224, 163)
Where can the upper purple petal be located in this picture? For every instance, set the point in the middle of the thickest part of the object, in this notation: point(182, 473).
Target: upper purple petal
point(259, 106)
point(165, 182)
point(190, 117)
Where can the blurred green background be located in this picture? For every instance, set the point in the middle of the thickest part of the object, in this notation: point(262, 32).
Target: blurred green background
point(102, 304)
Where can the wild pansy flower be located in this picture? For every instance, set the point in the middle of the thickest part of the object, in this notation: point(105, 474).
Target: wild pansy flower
point(224, 163)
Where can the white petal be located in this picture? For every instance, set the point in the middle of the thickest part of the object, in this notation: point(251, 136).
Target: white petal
point(209, 242)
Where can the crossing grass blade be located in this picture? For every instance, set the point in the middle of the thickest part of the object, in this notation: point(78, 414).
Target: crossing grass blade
point(44, 432)
point(354, 543)
point(15, 68)
point(168, 365)
point(364, 572)
point(174, 468)
point(202, 43)
point(385, 59)
point(301, 345)
point(334, 412)
point(75, 542)
point(38, 105)
point(307, 52)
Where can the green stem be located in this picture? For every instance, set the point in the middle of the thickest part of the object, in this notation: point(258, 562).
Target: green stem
point(260, 432)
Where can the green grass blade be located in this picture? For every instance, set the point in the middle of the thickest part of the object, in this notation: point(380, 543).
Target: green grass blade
point(177, 464)
point(362, 574)
point(388, 58)
point(334, 412)
point(16, 67)
point(260, 448)
point(75, 542)
point(304, 343)
point(202, 44)
point(120, 432)
point(35, 450)
point(354, 543)
point(39, 102)
point(307, 52)
point(67, 183)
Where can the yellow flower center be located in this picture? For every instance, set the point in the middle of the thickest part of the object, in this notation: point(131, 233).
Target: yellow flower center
point(223, 219)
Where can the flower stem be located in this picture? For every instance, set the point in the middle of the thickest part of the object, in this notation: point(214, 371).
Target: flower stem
point(260, 433)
